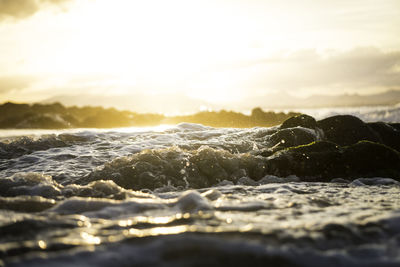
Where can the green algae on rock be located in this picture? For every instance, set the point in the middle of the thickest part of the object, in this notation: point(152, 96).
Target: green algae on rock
point(346, 130)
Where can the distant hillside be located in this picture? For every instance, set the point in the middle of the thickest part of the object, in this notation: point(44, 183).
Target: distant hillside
point(178, 103)
point(56, 116)
point(391, 97)
point(168, 103)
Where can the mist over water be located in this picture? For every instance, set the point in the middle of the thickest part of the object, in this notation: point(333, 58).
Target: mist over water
point(190, 195)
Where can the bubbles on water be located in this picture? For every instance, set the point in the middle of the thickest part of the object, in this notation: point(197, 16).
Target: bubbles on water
point(81, 200)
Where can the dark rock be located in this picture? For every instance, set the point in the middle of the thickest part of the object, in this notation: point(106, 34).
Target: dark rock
point(346, 130)
point(389, 135)
point(302, 120)
point(395, 125)
point(292, 137)
point(323, 161)
point(317, 160)
point(368, 158)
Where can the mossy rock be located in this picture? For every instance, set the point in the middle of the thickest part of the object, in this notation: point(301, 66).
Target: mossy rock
point(290, 137)
point(323, 161)
point(314, 161)
point(316, 147)
point(346, 130)
point(389, 135)
point(368, 158)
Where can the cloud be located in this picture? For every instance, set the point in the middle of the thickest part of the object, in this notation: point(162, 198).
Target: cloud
point(358, 70)
point(15, 83)
point(19, 9)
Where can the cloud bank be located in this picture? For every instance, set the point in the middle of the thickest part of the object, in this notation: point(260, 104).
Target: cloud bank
point(358, 70)
point(304, 72)
point(20, 9)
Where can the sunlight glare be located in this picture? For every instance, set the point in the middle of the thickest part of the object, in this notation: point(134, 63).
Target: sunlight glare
point(171, 50)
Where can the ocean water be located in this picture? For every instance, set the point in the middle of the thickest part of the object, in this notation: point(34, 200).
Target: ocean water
point(365, 113)
point(183, 195)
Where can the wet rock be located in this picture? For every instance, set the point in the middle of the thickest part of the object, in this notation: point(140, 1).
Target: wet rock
point(322, 161)
point(292, 137)
point(346, 130)
point(302, 120)
point(317, 159)
point(389, 135)
point(371, 159)
point(395, 125)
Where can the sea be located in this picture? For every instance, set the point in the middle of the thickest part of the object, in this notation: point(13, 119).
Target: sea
point(110, 197)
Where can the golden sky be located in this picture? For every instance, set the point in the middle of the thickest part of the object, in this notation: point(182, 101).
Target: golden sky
point(219, 50)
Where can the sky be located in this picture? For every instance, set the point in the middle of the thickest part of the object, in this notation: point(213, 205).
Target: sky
point(217, 51)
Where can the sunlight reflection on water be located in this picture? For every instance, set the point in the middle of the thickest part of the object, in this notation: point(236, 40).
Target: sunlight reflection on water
point(39, 132)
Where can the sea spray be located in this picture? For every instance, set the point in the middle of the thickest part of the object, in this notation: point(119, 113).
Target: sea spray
point(194, 195)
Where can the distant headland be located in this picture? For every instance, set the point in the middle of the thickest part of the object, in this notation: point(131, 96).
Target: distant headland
point(58, 116)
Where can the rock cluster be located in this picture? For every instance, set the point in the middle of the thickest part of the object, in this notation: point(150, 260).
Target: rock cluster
point(347, 148)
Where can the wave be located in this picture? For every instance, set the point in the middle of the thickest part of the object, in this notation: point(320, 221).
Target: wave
point(270, 223)
point(306, 193)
